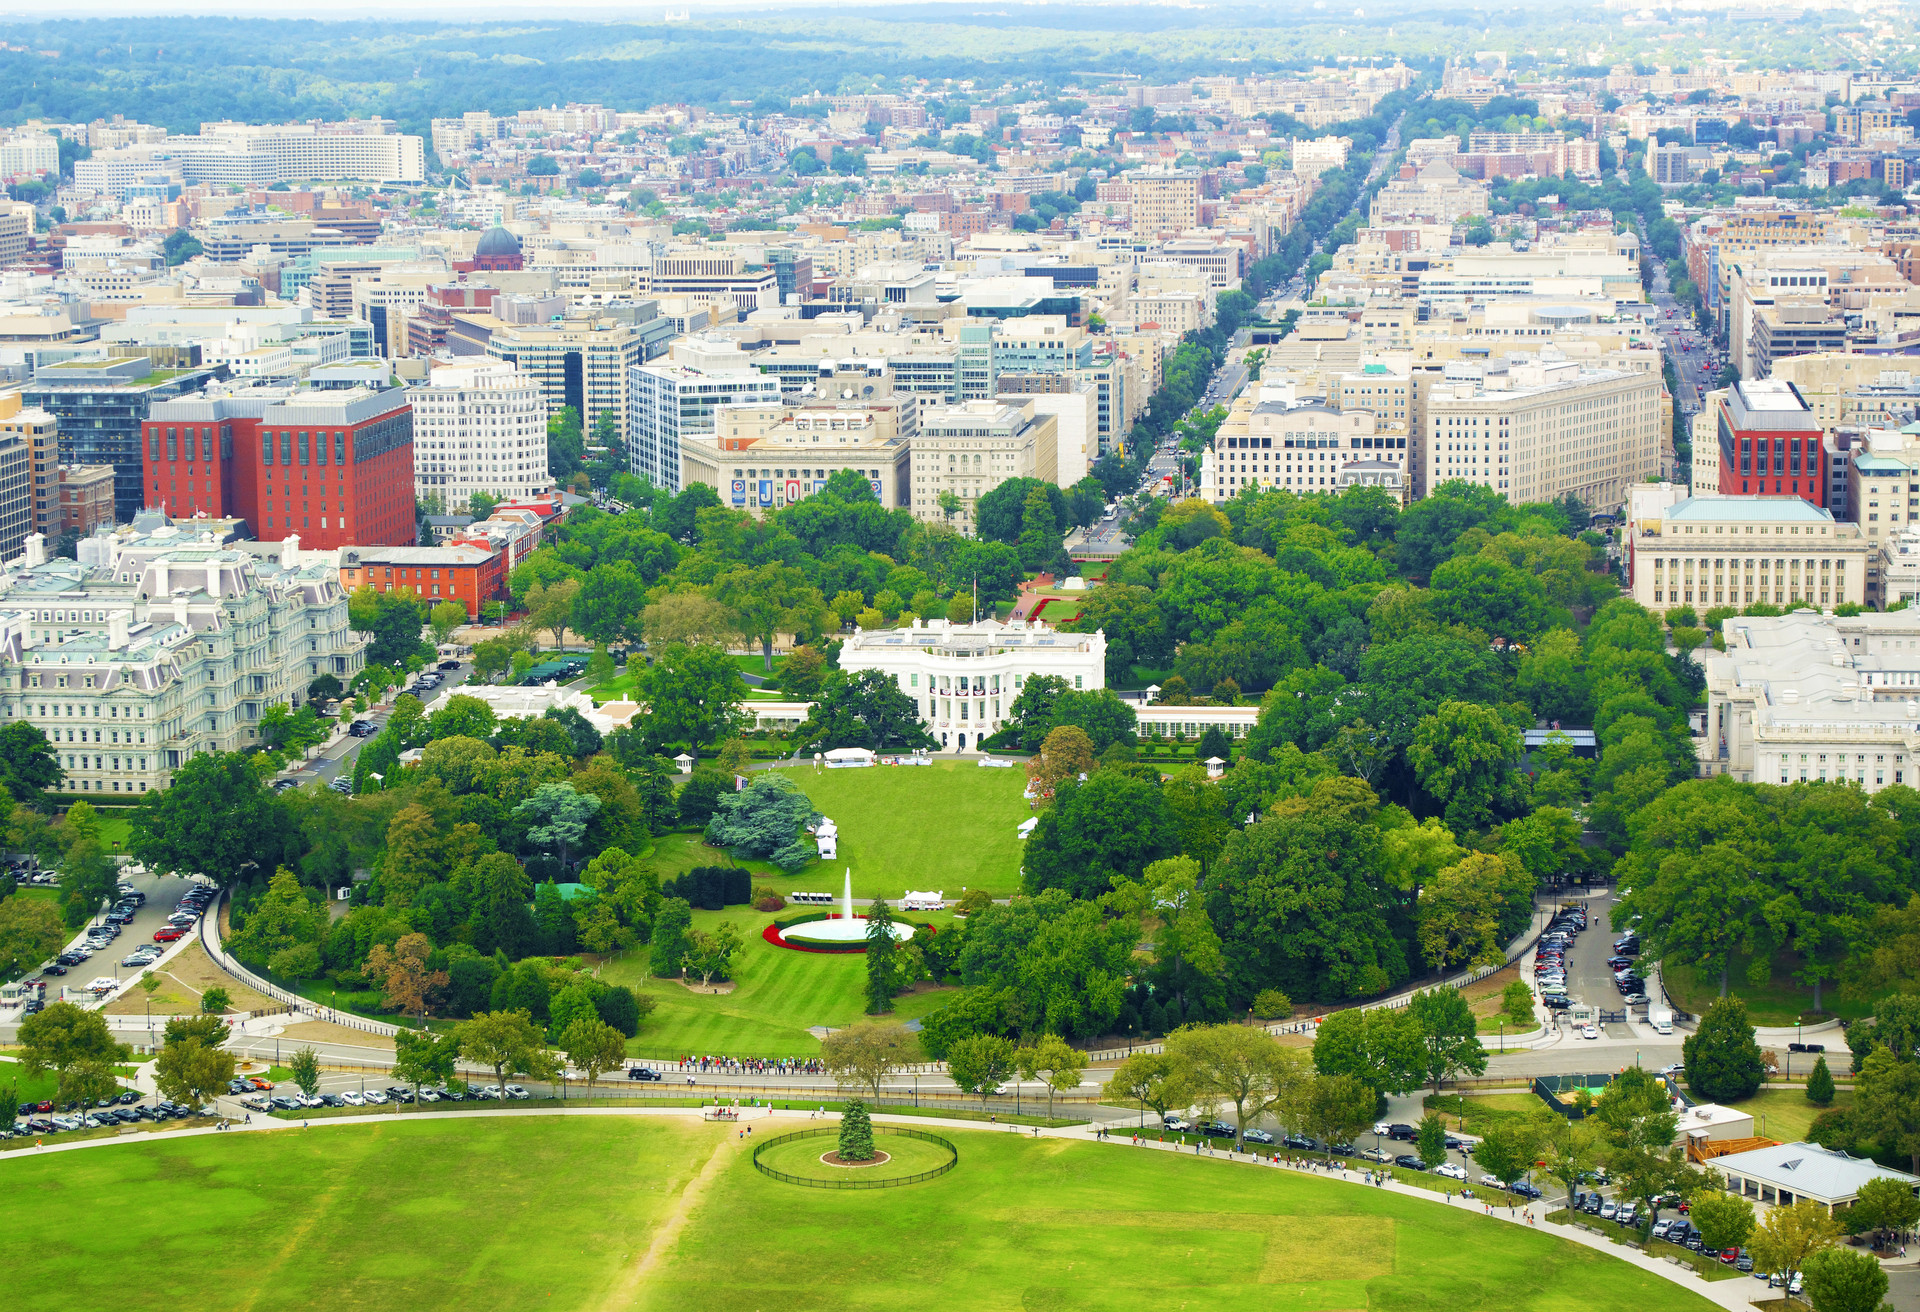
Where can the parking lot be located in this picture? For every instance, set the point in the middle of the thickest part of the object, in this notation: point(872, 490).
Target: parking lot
point(163, 893)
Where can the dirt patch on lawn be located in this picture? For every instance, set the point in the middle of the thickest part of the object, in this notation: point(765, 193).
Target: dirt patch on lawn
point(325, 1031)
point(182, 981)
point(834, 1159)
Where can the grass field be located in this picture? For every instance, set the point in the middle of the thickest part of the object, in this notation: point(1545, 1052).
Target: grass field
point(947, 826)
point(905, 1156)
point(514, 1213)
point(1780, 1001)
point(777, 995)
point(1785, 1114)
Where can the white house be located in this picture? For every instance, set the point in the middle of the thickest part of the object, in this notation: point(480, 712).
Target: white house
point(964, 677)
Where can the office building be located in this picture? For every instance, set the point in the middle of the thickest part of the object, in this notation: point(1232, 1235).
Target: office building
point(39, 432)
point(16, 231)
point(478, 426)
point(964, 677)
point(766, 454)
point(16, 489)
point(171, 648)
point(1814, 699)
point(1165, 200)
point(581, 363)
point(1742, 551)
point(100, 407)
point(330, 465)
point(971, 448)
point(1769, 441)
point(1305, 449)
point(471, 573)
point(667, 403)
point(86, 498)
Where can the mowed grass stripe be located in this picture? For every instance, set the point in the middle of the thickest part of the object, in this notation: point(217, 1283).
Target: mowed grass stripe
point(1059, 1225)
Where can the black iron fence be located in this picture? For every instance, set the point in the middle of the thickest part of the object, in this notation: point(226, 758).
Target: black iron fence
point(855, 1181)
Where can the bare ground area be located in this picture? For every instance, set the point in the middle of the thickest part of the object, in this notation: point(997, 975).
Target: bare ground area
point(182, 981)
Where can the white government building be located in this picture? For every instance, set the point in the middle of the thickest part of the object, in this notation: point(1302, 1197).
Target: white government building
point(964, 677)
point(159, 646)
point(1807, 697)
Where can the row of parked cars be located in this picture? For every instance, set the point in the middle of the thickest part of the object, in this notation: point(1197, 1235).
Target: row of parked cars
point(293, 1100)
point(1550, 958)
point(42, 1120)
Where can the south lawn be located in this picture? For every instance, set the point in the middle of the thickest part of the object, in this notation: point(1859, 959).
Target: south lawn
point(947, 827)
point(482, 1213)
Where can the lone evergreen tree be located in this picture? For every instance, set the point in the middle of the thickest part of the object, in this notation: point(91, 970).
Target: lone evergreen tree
point(856, 1133)
point(1723, 1061)
point(1820, 1084)
point(883, 966)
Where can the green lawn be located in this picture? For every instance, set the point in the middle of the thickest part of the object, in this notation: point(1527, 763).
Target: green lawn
point(116, 829)
point(778, 994)
point(1065, 1226)
point(949, 826)
point(511, 1213)
point(1785, 1114)
point(477, 1214)
point(1779, 1002)
point(618, 688)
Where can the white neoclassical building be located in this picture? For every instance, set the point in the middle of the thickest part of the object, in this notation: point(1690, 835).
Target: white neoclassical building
point(964, 677)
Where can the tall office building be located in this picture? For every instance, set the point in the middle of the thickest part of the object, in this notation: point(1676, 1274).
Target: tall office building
point(333, 466)
point(581, 363)
point(100, 406)
point(1769, 441)
point(1165, 201)
point(478, 426)
point(666, 403)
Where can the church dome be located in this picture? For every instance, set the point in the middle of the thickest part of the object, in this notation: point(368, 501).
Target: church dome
point(497, 241)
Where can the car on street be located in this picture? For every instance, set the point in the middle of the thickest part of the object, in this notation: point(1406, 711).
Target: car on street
point(1258, 1136)
point(376, 1098)
point(1589, 1031)
point(1403, 1132)
point(643, 1073)
point(1730, 1255)
point(1374, 1155)
point(353, 1099)
point(1558, 1002)
point(169, 934)
point(1609, 1210)
point(1744, 1262)
point(515, 1091)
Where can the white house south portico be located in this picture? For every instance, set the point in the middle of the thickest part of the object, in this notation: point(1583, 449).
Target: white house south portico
point(964, 677)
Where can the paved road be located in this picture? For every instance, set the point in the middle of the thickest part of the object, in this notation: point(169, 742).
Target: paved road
point(163, 894)
point(340, 757)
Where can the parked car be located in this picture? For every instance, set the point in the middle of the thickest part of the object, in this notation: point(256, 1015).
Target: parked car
point(1451, 1171)
point(1218, 1130)
point(1609, 1210)
point(1403, 1132)
point(1744, 1262)
point(1300, 1141)
point(1409, 1161)
point(170, 934)
point(353, 1099)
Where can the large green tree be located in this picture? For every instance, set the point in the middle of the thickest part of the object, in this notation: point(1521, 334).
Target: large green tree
point(215, 819)
point(1448, 1046)
point(693, 696)
point(1723, 1062)
point(863, 709)
point(1111, 827)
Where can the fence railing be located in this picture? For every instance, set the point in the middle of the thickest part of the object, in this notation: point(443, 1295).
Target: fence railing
point(852, 1180)
point(210, 940)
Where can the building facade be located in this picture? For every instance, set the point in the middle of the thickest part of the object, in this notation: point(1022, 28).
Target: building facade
point(964, 677)
point(101, 406)
point(667, 403)
point(971, 448)
point(174, 648)
point(1742, 551)
point(463, 572)
point(333, 466)
point(1767, 434)
point(478, 426)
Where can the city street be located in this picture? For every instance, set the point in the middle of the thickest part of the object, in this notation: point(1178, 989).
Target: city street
point(163, 894)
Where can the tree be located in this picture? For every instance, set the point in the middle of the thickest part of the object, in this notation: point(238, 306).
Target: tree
point(1725, 1220)
point(1820, 1084)
point(667, 954)
point(1379, 1046)
point(593, 1046)
point(75, 1046)
point(1569, 1148)
point(31, 931)
point(215, 819)
point(1446, 1027)
point(556, 817)
point(215, 1002)
point(856, 1133)
point(693, 695)
point(711, 950)
point(190, 1072)
point(506, 1041)
point(1461, 908)
point(1790, 1236)
point(1508, 1150)
point(403, 975)
point(424, 1058)
point(1066, 754)
point(1335, 1108)
point(763, 821)
point(858, 709)
point(28, 764)
point(979, 1063)
point(1463, 754)
point(767, 600)
point(1639, 1123)
point(304, 1066)
point(1886, 1104)
point(1055, 1061)
point(1039, 530)
point(1432, 1141)
point(1885, 1203)
point(444, 618)
point(1245, 1067)
point(1112, 826)
point(1156, 1080)
point(284, 917)
point(865, 1054)
point(1844, 1279)
point(1723, 1062)
point(883, 966)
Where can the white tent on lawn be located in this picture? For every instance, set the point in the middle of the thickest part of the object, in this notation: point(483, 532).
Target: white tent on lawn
point(847, 758)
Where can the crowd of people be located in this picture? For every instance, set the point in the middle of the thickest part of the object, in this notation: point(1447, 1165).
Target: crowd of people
point(753, 1065)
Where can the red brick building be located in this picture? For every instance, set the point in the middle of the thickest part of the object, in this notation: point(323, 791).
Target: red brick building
point(466, 573)
point(333, 465)
point(1770, 442)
